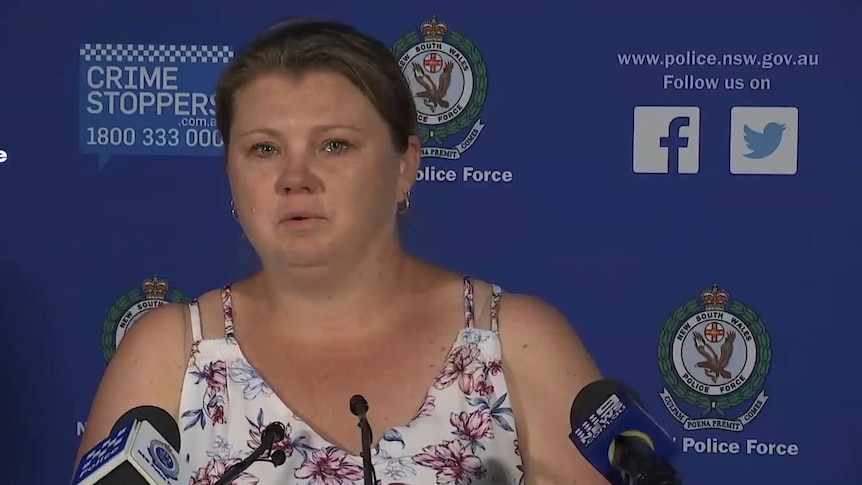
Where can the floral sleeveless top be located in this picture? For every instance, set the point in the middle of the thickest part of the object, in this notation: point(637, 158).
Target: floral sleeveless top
point(463, 433)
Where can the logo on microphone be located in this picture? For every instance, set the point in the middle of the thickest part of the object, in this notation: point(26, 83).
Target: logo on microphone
point(130, 307)
point(714, 355)
point(107, 449)
point(164, 460)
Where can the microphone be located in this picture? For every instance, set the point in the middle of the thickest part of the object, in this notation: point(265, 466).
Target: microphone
point(272, 434)
point(359, 408)
point(160, 419)
point(140, 450)
point(616, 435)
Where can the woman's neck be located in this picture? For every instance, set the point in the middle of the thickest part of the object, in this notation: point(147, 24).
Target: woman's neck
point(334, 295)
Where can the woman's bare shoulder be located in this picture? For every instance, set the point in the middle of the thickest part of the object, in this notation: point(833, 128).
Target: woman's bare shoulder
point(211, 307)
point(148, 366)
point(146, 369)
point(172, 322)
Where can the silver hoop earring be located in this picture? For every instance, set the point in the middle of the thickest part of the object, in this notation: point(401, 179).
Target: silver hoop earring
point(404, 205)
point(233, 210)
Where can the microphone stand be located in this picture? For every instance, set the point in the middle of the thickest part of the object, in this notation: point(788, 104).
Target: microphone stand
point(273, 433)
point(359, 408)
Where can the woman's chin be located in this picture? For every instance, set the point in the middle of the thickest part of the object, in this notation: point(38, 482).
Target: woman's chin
point(304, 254)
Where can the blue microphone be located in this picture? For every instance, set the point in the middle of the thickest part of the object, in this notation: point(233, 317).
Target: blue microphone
point(142, 449)
point(616, 435)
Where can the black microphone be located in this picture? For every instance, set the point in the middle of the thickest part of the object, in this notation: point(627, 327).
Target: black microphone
point(141, 449)
point(619, 438)
point(359, 408)
point(272, 434)
point(158, 417)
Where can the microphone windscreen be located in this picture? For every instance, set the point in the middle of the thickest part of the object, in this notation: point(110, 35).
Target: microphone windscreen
point(615, 434)
point(594, 394)
point(161, 420)
point(358, 405)
point(590, 398)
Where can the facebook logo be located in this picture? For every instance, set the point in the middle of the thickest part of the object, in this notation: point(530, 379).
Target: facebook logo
point(666, 139)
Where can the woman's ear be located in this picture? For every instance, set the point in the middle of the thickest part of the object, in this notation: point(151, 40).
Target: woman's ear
point(409, 165)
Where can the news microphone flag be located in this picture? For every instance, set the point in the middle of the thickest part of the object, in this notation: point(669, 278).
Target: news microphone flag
point(613, 414)
point(134, 454)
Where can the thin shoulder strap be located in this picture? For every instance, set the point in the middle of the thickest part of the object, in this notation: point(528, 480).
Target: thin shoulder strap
point(227, 310)
point(496, 294)
point(469, 316)
point(195, 320)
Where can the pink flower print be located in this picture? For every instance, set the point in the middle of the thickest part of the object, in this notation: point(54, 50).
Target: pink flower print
point(427, 407)
point(228, 314)
point(227, 310)
point(472, 427)
point(217, 414)
point(468, 298)
point(494, 367)
point(454, 466)
point(210, 474)
point(462, 365)
point(485, 389)
point(215, 374)
point(195, 351)
point(328, 466)
point(227, 302)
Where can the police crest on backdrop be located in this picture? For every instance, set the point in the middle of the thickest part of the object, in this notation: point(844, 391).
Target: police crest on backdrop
point(714, 356)
point(154, 292)
point(449, 81)
point(448, 78)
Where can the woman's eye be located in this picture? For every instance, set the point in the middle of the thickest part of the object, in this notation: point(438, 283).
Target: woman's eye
point(336, 146)
point(263, 150)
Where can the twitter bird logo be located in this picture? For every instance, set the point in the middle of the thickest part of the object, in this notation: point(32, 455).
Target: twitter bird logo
point(773, 151)
point(762, 144)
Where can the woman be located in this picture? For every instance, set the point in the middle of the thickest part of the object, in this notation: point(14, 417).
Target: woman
point(469, 386)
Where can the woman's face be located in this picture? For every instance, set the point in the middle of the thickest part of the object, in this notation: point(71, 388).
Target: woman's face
point(313, 169)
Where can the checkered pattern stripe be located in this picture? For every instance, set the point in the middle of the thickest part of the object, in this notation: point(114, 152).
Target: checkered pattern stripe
point(169, 54)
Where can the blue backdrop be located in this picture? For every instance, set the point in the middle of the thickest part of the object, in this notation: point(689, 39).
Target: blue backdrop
point(739, 168)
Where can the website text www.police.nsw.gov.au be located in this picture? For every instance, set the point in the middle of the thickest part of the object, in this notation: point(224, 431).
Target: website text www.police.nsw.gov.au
point(680, 61)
